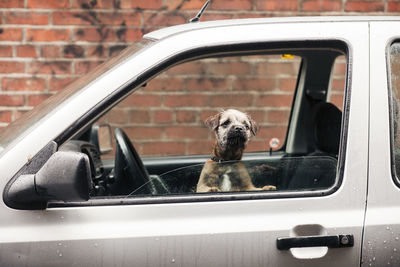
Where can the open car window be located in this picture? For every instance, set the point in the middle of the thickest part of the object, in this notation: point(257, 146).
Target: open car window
point(164, 143)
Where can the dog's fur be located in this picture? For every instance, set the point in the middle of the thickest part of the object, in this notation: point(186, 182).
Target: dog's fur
point(232, 131)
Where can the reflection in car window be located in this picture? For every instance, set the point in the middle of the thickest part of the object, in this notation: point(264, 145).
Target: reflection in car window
point(168, 130)
point(395, 92)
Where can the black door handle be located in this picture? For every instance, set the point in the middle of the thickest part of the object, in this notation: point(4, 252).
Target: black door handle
point(331, 241)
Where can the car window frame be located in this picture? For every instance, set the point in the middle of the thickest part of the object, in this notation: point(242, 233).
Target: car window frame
point(205, 52)
point(395, 177)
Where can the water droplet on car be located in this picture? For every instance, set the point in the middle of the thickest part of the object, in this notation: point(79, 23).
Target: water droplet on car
point(384, 241)
point(387, 228)
point(60, 254)
point(60, 244)
point(395, 249)
point(172, 260)
point(373, 259)
point(96, 245)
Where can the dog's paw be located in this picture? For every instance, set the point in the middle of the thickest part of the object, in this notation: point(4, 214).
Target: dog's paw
point(214, 189)
point(269, 187)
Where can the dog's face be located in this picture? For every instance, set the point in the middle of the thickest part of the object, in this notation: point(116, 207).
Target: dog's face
point(232, 128)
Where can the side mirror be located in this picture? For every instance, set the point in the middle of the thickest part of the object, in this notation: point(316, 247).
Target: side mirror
point(101, 137)
point(64, 177)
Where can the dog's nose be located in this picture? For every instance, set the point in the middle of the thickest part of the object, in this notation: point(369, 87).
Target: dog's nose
point(238, 128)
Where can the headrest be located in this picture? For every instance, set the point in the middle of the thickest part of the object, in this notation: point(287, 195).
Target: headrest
point(327, 126)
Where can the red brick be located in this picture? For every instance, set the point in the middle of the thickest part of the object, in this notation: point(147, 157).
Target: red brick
point(268, 132)
point(33, 18)
point(137, 100)
point(141, 132)
point(229, 68)
point(47, 35)
point(200, 147)
point(186, 132)
point(50, 51)
point(10, 34)
point(26, 51)
point(139, 116)
point(130, 4)
point(120, 18)
point(364, 6)
point(12, 3)
point(192, 100)
point(257, 146)
point(12, 67)
point(216, 16)
point(57, 84)
point(337, 100)
point(53, 67)
point(276, 69)
point(162, 116)
point(277, 5)
point(23, 84)
point(71, 18)
point(393, 6)
point(160, 84)
point(163, 19)
point(95, 35)
point(48, 4)
point(129, 35)
point(256, 115)
point(5, 116)
point(194, 67)
point(34, 100)
point(322, 5)
point(228, 101)
point(184, 5)
point(274, 101)
point(96, 51)
point(117, 116)
point(12, 100)
point(73, 51)
point(163, 148)
point(210, 84)
point(83, 67)
point(278, 116)
point(232, 4)
point(254, 84)
point(338, 85)
point(186, 116)
point(287, 84)
point(5, 51)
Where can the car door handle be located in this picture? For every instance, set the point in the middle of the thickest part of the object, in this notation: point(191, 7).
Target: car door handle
point(330, 241)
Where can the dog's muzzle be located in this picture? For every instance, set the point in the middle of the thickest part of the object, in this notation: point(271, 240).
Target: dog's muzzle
point(237, 136)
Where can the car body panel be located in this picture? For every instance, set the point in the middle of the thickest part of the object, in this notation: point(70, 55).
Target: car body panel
point(382, 223)
point(234, 233)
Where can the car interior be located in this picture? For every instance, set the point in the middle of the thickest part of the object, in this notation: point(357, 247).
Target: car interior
point(308, 159)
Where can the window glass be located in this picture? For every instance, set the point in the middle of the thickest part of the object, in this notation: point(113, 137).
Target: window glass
point(186, 131)
point(395, 89)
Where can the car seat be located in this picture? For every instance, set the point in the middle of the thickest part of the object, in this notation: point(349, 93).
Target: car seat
point(318, 168)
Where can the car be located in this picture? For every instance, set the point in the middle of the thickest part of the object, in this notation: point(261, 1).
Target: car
point(105, 172)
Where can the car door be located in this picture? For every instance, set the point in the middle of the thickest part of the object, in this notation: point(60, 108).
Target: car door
point(307, 227)
point(382, 230)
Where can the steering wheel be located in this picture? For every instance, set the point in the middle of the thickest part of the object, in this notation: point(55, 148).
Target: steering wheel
point(131, 176)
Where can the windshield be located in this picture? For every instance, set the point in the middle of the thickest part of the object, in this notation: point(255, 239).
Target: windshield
point(28, 120)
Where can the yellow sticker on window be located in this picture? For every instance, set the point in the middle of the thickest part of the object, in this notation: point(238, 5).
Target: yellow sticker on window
point(287, 56)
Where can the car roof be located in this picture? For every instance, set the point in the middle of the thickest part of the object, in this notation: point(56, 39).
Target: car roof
point(165, 32)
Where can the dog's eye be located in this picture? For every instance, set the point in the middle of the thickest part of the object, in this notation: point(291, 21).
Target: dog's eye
point(226, 123)
point(247, 126)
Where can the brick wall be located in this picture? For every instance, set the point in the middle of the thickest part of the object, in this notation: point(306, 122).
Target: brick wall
point(44, 45)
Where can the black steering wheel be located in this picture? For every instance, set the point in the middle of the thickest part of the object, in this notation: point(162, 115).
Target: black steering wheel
point(131, 176)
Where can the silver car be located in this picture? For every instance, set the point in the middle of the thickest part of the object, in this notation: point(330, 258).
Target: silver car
point(104, 173)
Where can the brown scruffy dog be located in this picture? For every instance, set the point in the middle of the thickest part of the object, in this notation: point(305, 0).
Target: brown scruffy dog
point(232, 131)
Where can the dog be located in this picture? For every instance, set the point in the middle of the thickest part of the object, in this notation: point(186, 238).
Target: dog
point(224, 171)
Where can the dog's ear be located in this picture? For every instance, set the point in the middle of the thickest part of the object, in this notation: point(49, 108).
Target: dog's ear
point(212, 121)
point(253, 126)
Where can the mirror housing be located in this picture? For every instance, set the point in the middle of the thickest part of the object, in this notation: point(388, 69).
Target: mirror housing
point(64, 177)
point(101, 137)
